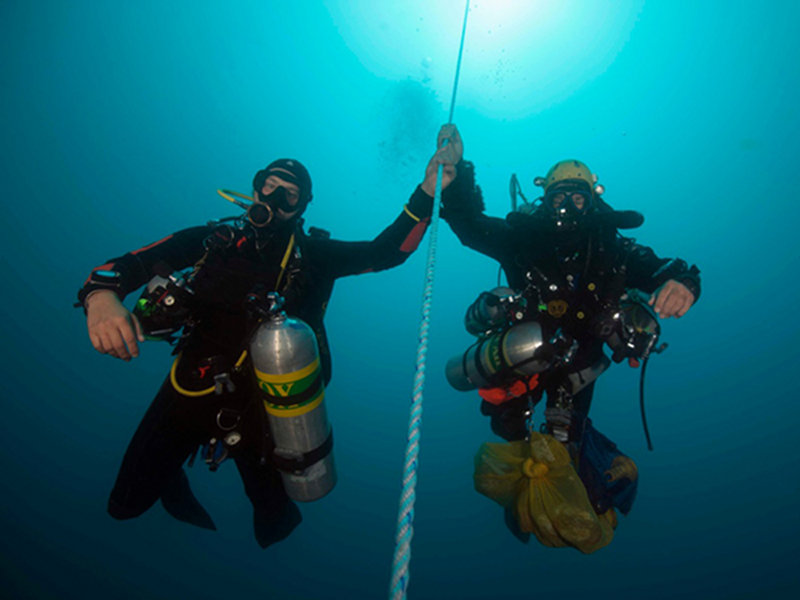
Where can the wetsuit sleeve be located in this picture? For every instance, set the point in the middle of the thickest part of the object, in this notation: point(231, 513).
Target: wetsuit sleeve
point(648, 272)
point(462, 208)
point(391, 248)
point(134, 269)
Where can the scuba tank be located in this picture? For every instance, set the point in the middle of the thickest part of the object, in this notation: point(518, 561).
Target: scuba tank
point(519, 351)
point(507, 349)
point(286, 361)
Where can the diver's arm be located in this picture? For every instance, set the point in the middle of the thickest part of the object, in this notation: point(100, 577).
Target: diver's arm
point(462, 208)
point(396, 243)
point(389, 249)
point(449, 152)
point(462, 201)
point(675, 286)
point(130, 271)
point(672, 299)
point(484, 234)
point(112, 328)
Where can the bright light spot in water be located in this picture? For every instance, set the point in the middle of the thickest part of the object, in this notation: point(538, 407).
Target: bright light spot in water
point(520, 56)
point(511, 17)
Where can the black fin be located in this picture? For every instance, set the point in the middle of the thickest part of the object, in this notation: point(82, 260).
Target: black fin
point(271, 528)
point(179, 501)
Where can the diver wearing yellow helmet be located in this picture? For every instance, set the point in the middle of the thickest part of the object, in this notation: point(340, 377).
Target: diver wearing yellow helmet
point(572, 200)
point(568, 191)
point(576, 286)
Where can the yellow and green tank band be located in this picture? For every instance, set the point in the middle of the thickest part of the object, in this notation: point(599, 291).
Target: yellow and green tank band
point(292, 394)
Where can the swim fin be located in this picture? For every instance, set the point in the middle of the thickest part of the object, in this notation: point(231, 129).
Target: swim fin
point(179, 501)
point(271, 527)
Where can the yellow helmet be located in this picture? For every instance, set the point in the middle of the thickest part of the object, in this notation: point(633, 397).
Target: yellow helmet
point(566, 170)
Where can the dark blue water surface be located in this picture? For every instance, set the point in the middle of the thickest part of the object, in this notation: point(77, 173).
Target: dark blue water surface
point(120, 119)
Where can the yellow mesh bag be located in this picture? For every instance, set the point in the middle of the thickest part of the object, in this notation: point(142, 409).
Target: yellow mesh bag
point(536, 480)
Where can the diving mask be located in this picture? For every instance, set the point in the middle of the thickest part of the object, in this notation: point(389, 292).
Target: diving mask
point(568, 205)
point(569, 199)
point(263, 211)
point(278, 199)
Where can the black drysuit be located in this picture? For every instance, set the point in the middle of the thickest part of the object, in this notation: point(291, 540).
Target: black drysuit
point(230, 263)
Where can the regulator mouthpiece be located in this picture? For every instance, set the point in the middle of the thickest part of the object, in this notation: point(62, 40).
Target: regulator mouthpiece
point(260, 214)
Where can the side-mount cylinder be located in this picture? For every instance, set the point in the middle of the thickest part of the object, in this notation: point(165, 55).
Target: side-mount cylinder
point(286, 361)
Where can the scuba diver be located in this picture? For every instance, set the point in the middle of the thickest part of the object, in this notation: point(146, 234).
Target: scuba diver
point(575, 285)
point(240, 297)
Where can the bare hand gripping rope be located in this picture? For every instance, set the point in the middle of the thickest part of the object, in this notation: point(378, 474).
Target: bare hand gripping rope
point(405, 517)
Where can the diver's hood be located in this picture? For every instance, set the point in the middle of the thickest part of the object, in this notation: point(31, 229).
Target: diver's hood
point(602, 217)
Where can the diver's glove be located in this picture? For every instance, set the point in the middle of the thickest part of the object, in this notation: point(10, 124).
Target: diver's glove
point(691, 279)
point(462, 198)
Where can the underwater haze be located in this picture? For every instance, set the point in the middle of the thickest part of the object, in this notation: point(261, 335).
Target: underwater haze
point(120, 120)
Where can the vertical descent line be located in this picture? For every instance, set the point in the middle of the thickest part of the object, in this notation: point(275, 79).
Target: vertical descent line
point(405, 517)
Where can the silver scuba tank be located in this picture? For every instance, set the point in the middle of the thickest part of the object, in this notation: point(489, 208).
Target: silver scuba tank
point(516, 352)
point(286, 361)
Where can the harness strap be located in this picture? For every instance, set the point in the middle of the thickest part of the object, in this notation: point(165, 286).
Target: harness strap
point(220, 385)
point(300, 464)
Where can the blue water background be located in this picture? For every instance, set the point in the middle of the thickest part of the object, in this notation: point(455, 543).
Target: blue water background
point(120, 119)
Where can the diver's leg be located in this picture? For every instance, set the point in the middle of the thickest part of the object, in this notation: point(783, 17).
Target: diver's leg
point(168, 433)
point(566, 416)
point(610, 477)
point(274, 514)
point(179, 501)
point(581, 403)
point(510, 419)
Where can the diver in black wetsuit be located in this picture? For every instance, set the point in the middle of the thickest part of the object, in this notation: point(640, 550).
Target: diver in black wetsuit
point(570, 266)
point(266, 251)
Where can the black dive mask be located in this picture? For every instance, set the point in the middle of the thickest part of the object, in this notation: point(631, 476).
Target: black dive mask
point(566, 214)
point(277, 199)
point(262, 212)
